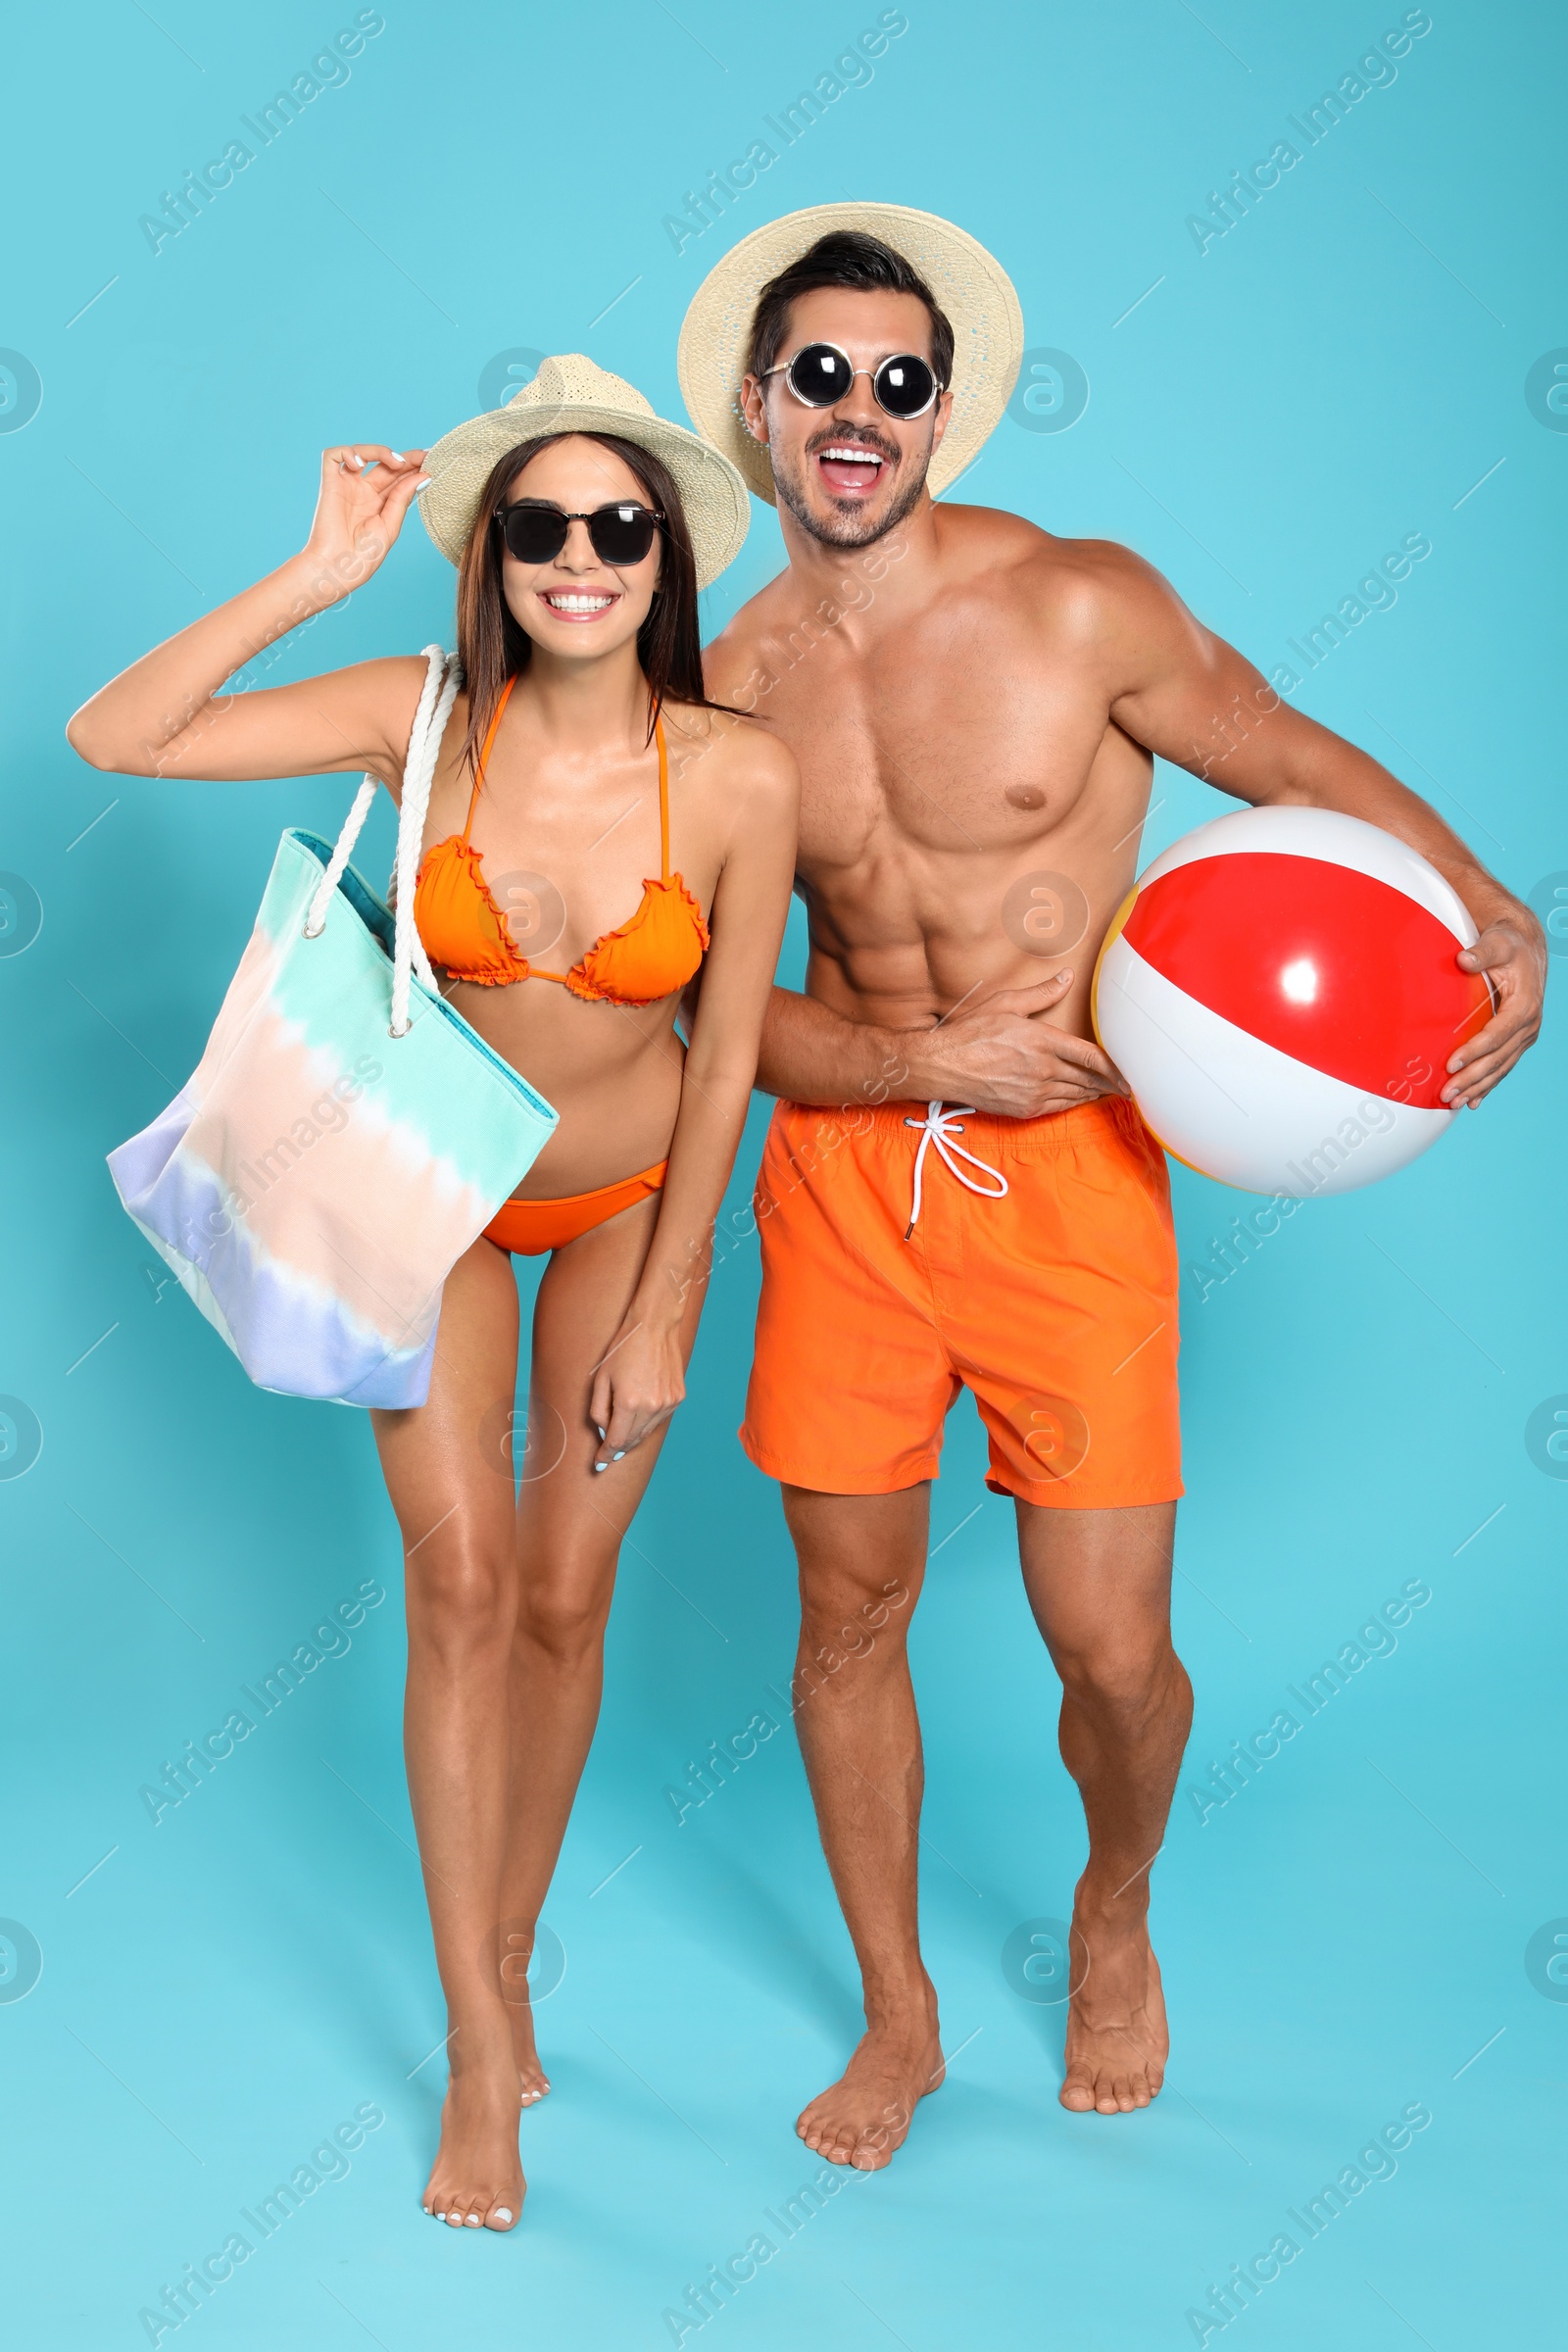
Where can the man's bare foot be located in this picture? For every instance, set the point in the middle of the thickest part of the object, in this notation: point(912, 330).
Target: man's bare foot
point(862, 2118)
point(532, 2081)
point(476, 2181)
point(1117, 2042)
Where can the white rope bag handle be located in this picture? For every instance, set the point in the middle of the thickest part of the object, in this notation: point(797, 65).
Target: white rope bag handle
point(443, 678)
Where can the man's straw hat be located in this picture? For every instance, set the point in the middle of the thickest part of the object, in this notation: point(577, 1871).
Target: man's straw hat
point(969, 284)
point(570, 395)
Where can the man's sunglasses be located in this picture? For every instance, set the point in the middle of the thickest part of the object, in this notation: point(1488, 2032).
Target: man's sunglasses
point(619, 535)
point(820, 375)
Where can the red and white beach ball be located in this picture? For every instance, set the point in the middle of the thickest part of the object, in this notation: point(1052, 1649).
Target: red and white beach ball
point(1280, 991)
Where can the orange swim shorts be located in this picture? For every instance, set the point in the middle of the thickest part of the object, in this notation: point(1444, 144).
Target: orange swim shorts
point(1055, 1303)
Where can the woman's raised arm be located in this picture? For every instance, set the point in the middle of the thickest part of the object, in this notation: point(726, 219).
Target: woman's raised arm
point(164, 716)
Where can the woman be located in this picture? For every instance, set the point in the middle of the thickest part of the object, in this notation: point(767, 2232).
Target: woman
point(581, 748)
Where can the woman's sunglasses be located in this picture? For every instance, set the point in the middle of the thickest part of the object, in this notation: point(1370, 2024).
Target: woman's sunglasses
point(619, 535)
point(904, 387)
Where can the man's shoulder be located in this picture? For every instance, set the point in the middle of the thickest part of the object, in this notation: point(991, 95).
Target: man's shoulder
point(732, 753)
point(993, 564)
point(986, 543)
point(729, 659)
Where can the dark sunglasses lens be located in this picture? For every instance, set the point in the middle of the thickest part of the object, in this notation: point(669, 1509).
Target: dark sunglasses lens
point(819, 376)
point(621, 535)
point(904, 387)
point(533, 534)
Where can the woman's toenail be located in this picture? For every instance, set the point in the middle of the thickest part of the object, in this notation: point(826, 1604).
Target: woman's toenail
point(503, 2213)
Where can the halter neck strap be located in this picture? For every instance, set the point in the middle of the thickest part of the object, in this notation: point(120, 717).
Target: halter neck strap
point(484, 752)
point(663, 778)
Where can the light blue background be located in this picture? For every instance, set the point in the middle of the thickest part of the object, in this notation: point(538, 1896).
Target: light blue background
point(1337, 371)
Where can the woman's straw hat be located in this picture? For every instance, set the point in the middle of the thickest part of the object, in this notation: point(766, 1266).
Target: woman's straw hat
point(969, 284)
point(570, 395)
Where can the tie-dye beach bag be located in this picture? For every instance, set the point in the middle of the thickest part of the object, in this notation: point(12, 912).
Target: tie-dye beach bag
point(346, 1135)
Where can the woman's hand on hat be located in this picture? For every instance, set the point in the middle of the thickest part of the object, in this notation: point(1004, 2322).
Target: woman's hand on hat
point(365, 494)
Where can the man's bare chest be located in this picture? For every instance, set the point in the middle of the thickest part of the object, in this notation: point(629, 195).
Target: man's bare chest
point(949, 754)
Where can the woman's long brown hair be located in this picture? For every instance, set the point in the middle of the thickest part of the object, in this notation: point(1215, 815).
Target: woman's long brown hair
point(492, 644)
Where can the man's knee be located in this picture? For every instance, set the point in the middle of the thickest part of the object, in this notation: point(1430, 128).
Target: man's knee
point(848, 1632)
point(851, 1612)
point(861, 1558)
point(1123, 1673)
point(852, 1549)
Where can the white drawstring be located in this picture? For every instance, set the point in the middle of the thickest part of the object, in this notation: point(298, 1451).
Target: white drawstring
point(939, 1127)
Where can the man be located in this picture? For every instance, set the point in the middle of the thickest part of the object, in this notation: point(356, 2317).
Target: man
point(975, 705)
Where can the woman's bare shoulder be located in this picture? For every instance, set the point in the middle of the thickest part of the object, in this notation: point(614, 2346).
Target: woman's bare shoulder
point(732, 754)
point(394, 683)
point(385, 695)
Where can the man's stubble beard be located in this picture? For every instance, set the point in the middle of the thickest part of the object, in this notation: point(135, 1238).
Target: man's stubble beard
point(847, 530)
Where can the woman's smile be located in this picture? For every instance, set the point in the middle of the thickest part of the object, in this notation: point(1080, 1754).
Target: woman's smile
point(579, 604)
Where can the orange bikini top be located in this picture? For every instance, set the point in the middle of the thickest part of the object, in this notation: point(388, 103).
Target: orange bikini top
point(466, 932)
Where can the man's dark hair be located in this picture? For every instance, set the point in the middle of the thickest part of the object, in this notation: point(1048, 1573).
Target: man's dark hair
point(844, 257)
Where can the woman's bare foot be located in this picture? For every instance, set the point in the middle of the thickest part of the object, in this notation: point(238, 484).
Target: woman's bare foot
point(1117, 2042)
point(476, 2181)
point(532, 2081)
point(862, 2118)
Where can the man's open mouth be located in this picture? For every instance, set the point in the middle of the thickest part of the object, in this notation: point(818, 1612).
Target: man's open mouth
point(850, 468)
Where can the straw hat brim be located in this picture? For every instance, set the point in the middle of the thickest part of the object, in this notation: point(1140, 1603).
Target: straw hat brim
point(969, 284)
point(713, 493)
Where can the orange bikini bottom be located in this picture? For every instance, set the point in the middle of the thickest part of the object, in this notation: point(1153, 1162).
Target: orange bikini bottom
point(528, 1228)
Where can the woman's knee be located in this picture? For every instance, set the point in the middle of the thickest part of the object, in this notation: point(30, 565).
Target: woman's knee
point(563, 1613)
point(462, 1599)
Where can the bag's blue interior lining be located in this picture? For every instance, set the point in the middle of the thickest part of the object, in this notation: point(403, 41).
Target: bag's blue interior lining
point(377, 919)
